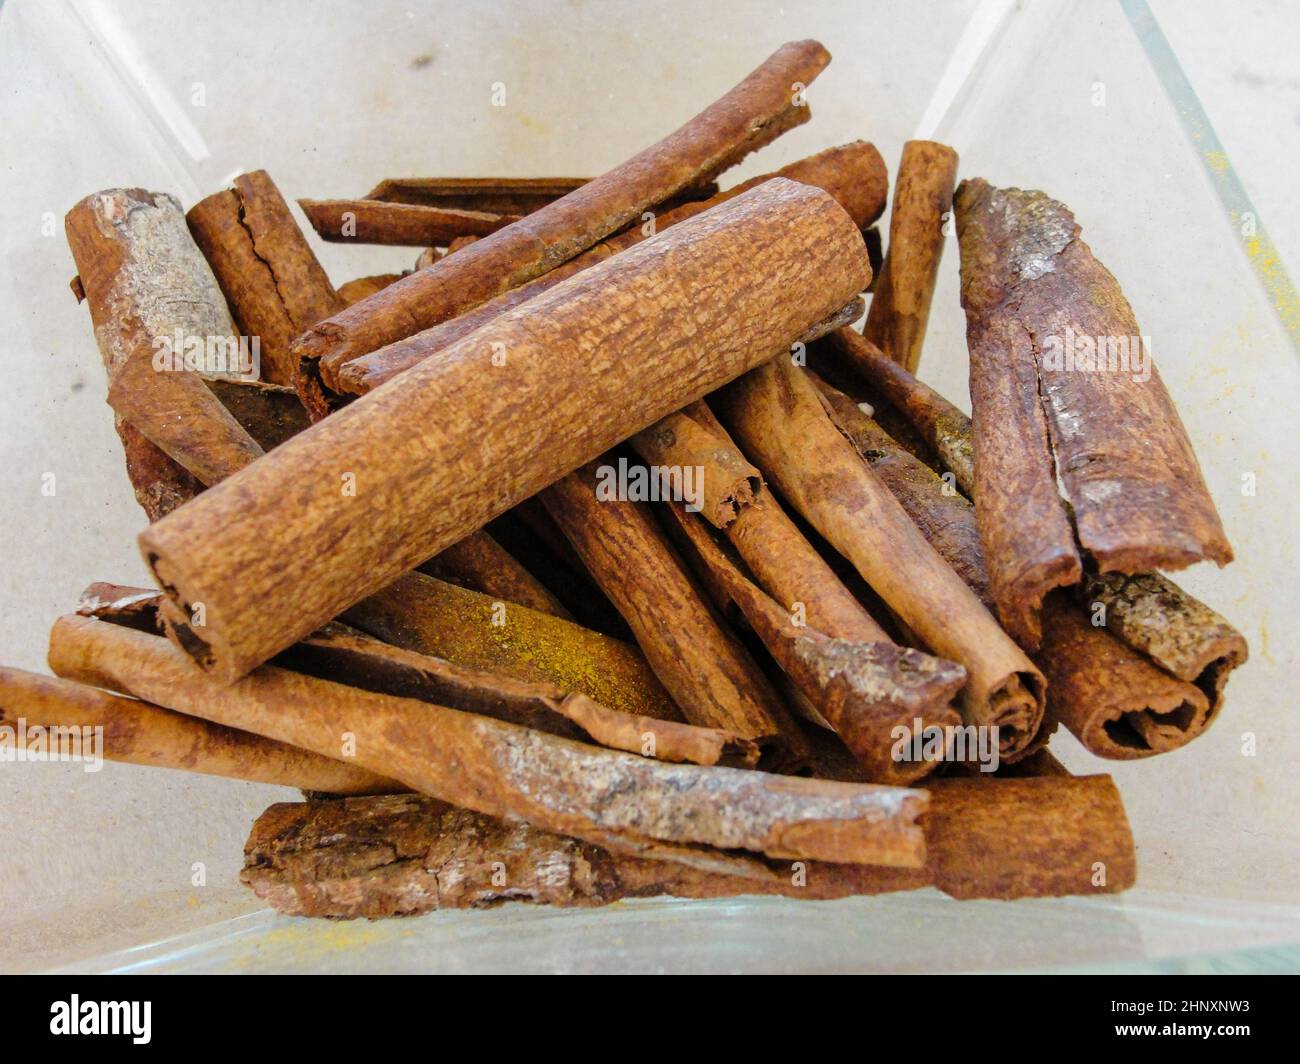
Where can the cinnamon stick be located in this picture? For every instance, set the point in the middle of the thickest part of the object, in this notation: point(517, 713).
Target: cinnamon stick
point(1061, 379)
point(777, 417)
point(138, 733)
point(360, 287)
point(479, 563)
point(854, 174)
point(1115, 701)
point(613, 349)
point(943, 426)
point(493, 195)
point(618, 800)
point(271, 277)
point(755, 112)
point(409, 854)
point(710, 675)
point(364, 221)
point(344, 655)
point(900, 302)
point(871, 694)
point(148, 287)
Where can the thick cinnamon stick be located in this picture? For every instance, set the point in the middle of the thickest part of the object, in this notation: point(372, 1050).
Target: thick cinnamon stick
point(777, 416)
point(854, 174)
point(900, 302)
point(613, 799)
point(710, 675)
point(142, 734)
point(495, 195)
point(408, 854)
point(1061, 379)
point(471, 629)
point(871, 694)
point(271, 277)
point(343, 221)
point(613, 349)
point(148, 287)
point(1115, 701)
point(755, 112)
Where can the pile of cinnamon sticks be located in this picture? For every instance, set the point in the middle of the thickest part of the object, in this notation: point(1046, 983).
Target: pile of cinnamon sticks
point(600, 556)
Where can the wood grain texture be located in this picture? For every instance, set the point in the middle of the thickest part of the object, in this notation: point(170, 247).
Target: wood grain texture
point(612, 349)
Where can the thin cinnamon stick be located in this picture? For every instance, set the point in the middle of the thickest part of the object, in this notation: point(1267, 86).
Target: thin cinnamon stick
point(854, 174)
point(1061, 379)
point(149, 288)
point(900, 302)
point(777, 416)
point(943, 426)
point(343, 221)
point(494, 195)
point(343, 655)
point(467, 628)
point(408, 854)
point(873, 695)
point(755, 112)
point(1115, 701)
point(138, 733)
point(710, 675)
point(271, 277)
point(613, 799)
point(612, 349)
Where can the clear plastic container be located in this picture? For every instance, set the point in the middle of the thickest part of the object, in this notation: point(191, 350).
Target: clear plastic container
point(136, 869)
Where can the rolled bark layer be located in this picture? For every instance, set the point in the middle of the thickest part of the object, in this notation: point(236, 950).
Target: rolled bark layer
point(381, 486)
point(493, 195)
point(1063, 382)
point(399, 224)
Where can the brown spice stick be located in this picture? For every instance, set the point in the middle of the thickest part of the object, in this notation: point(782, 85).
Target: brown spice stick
point(755, 112)
point(870, 694)
point(777, 416)
point(159, 483)
point(1112, 699)
point(787, 566)
point(494, 195)
point(1037, 305)
point(943, 426)
point(147, 284)
point(854, 174)
point(343, 221)
point(142, 734)
point(344, 655)
point(602, 796)
point(710, 675)
point(271, 277)
point(612, 349)
point(471, 629)
point(900, 304)
point(723, 479)
point(408, 854)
